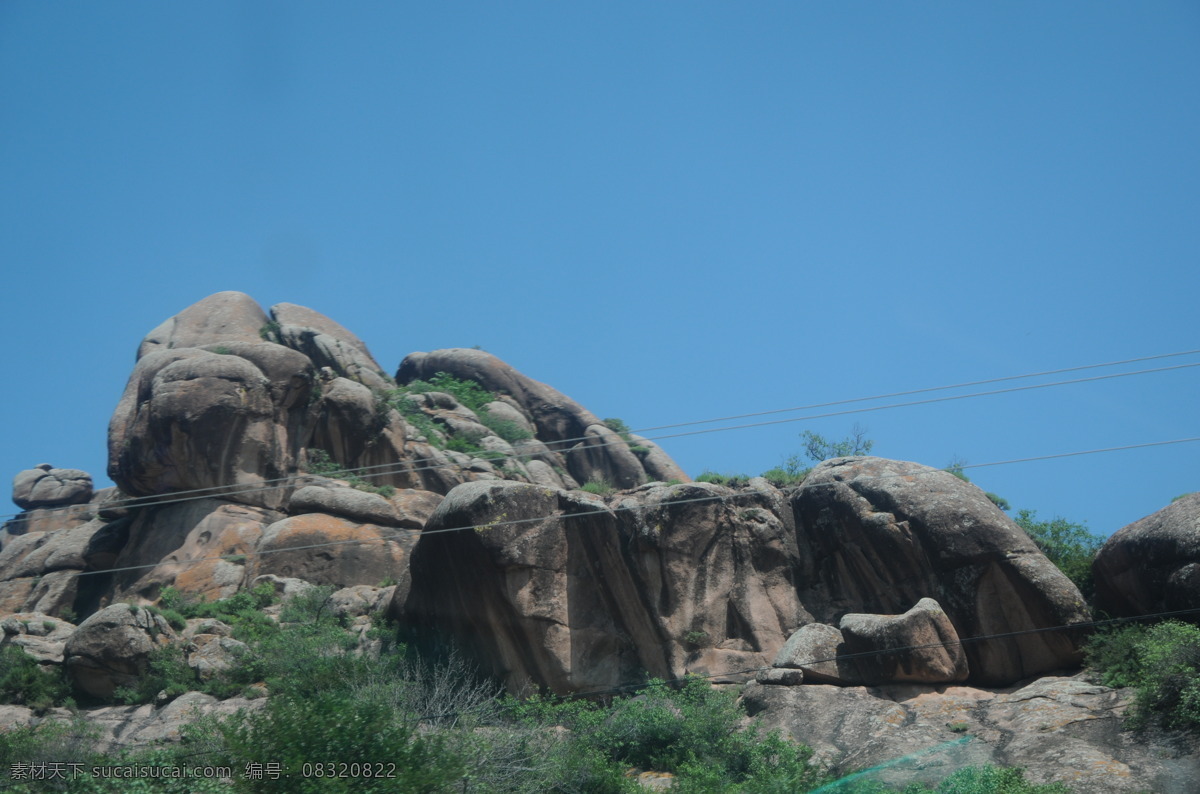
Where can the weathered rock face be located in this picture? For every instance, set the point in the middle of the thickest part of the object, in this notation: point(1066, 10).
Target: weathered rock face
point(1152, 565)
point(576, 439)
point(567, 591)
point(327, 550)
point(876, 536)
point(112, 648)
point(46, 486)
point(1060, 729)
point(919, 646)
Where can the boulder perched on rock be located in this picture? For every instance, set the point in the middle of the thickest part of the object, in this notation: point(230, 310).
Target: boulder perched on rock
point(920, 646)
point(111, 649)
point(1152, 565)
point(46, 486)
point(814, 649)
point(877, 535)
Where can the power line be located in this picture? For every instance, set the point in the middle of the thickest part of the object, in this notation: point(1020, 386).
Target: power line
point(386, 469)
point(617, 509)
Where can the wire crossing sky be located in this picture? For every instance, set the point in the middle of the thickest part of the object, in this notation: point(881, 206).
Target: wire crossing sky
point(668, 212)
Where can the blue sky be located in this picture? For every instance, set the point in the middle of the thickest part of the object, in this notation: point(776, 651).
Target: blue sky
point(668, 211)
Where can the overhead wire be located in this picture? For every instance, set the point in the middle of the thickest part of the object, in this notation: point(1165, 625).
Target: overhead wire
point(408, 467)
point(606, 510)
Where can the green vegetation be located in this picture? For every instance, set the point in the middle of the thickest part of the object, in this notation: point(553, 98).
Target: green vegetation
point(598, 485)
point(270, 331)
point(971, 780)
point(1161, 662)
point(23, 682)
point(1069, 546)
point(470, 395)
point(693, 732)
point(818, 448)
point(321, 464)
point(728, 480)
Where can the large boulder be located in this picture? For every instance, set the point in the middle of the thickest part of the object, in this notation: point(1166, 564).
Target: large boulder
point(112, 648)
point(199, 419)
point(919, 646)
point(1152, 565)
point(46, 486)
point(876, 536)
point(327, 550)
point(218, 319)
point(199, 546)
point(569, 592)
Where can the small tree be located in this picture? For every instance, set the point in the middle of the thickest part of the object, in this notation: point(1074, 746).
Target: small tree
point(817, 448)
point(1069, 546)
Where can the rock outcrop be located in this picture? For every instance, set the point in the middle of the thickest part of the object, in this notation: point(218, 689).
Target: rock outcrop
point(1060, 729)
point(111, 649)
point(569, 591)
point(1152, 565)
point(46, 486)
point(877, 536)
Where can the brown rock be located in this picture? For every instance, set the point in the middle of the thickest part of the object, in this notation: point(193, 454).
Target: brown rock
point(918, 646)
point(199, 547)
point(1059, 729)
point(878, 535)
point(221, 318)
point(45, 486)
point(560, 589)
point(367, 508)
point(1152, 565)
point(327, 550)
point(112, 648)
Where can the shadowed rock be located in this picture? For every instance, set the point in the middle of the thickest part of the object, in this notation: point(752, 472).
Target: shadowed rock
point(1152, 565)
point(878, 535)
point(919, 646)
point(111, 649)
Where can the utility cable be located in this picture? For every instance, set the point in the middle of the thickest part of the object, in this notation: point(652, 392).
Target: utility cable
point(619, 508)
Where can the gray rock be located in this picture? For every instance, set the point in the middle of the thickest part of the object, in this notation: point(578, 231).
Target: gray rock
point(46, 486)
point(918, 646)
point(1152, 565)
point(877, 535)
point(1060, 729)
point(367, 508)
point(814, 650)
point(111, 649)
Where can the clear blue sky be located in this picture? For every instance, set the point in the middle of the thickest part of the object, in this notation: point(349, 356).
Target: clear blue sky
point(669, 211)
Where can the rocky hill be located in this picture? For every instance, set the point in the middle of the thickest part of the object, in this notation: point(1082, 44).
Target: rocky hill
point(468, 502)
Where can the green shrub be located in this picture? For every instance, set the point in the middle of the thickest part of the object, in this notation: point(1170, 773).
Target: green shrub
point(269, 332)
point(1069, 546)
point(728, 480)
point(783, 476)
point(1161, 662)
point(327, 729)
point(23, 681)
point(597, 485)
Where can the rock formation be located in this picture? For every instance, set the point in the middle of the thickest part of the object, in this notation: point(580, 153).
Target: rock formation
point(253, 446)
point(1152, 565)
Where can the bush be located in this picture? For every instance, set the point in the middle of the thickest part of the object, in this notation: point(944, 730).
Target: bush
point(597, 485)
point(1161, 662)
point(819, 448)
point(24, 683)
point(1069, 546)
point(694, 731)
point(728, 480)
